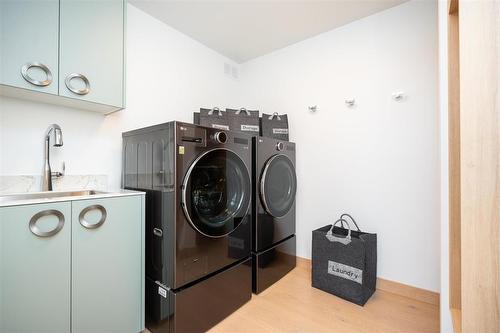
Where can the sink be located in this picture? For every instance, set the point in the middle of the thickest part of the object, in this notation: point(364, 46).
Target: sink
point(47, 195)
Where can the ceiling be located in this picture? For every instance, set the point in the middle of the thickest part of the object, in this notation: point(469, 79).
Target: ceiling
point(244, 29)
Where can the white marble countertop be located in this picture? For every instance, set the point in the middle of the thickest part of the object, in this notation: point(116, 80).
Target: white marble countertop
point(18, 199)
point(33, 183)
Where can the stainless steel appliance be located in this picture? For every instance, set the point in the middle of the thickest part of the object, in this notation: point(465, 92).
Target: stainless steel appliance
point(275, 186)
point(198, 222)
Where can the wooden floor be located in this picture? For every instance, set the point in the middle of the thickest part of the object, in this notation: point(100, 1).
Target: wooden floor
point(292, 305)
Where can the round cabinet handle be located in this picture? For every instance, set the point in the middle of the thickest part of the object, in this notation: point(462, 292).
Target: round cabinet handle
point(27, 77)
point(85, 223)
point(37, 231)
point(82, 77)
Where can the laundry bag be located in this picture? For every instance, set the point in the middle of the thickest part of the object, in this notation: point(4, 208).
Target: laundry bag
point(344, 261)
point(243, 120)
point(214, 118)
point(275, 126)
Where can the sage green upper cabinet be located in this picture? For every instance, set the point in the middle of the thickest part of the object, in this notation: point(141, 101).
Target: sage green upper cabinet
point(65, 52)
point(35, 261)
point(91, 50)
point(108, 265)
point(29, 37)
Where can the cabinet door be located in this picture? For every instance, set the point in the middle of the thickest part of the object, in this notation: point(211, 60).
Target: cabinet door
point(91, 50)
point(29, 32)
point(107, 265)
point(35, 268)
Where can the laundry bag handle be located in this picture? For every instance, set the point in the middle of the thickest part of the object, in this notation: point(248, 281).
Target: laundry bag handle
point(215, 110)
point(275, 114)
point(344, 240)
point(351, 218)
point(243, 110)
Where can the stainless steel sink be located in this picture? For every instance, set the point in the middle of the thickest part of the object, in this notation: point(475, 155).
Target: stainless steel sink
point(47, 195)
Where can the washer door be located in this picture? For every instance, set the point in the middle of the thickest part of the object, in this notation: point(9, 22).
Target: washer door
point(278, 185)
point(216, 192)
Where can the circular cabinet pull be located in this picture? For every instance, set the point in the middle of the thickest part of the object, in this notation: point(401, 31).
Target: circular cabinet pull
point(36, 230)
point(27, 77)
point(85, 223)
point(82, 77)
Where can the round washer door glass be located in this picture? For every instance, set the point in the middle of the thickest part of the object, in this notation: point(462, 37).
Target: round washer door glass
point(216, 192)
point(278, 185)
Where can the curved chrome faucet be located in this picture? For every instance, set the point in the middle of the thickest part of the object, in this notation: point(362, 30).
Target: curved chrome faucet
point(58, 142)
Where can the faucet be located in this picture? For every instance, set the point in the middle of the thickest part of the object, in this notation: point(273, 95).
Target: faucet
point(58, 142)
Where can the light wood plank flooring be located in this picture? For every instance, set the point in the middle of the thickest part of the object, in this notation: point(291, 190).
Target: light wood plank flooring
point(292, 305)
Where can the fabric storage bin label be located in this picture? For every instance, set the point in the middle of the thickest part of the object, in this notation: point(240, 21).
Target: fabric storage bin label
point(250, 128)
point(345, 272)
point(280, 130)
point(222, 127)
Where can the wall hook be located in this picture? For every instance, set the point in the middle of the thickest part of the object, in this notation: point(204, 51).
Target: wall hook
point(398, 96)
point(313, 108)
point(350, 102)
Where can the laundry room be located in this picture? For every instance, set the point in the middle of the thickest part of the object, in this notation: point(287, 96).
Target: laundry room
point(249, 166)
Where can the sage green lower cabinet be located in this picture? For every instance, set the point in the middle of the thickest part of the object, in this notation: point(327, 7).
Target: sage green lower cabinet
point(107, 265)
point(35, 268)
point(73, 266)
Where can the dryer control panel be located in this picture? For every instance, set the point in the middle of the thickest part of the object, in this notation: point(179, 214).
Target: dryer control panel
point(192, 134)
point(189, 134)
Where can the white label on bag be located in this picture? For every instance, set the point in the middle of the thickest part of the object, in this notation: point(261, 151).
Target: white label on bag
point(345, 272)
point(223, 127)
point(250, 128)
point(280, 130)
point(162, 292)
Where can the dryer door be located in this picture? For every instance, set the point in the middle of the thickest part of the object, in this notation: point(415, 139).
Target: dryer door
point(278, 185)
point(216, 192)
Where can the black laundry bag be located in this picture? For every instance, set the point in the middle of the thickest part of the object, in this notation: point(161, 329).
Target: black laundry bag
point(196, 118)
point(344, 262)
point(243, 120)
point(214, 118)
point(275, 126)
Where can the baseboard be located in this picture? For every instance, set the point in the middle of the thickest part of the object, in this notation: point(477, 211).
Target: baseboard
point(422, 295)
point(397, 288)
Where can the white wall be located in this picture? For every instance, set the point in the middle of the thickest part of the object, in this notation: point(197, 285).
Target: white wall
point(379, 160)
point(168, 77)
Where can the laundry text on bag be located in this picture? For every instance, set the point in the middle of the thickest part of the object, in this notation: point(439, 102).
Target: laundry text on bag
point(345, 272)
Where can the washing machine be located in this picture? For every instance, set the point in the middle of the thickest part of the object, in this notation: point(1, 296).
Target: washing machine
point(198, 222)
point(273, 211)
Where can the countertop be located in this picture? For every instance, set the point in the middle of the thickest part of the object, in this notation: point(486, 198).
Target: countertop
point(8, 200)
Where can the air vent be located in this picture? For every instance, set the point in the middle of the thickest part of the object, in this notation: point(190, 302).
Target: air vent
point(235, 72)
point(231, 71)
point(227, 69)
